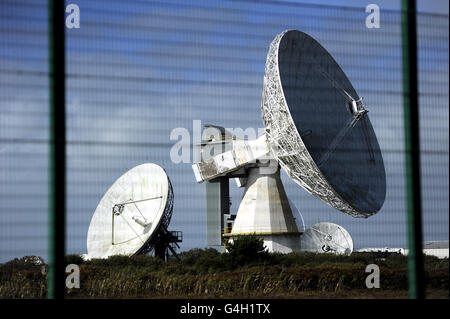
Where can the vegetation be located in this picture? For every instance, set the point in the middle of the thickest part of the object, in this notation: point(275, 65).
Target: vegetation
point(247, 250)
point(245, 270)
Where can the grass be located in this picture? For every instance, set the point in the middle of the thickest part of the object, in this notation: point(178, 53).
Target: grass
point(205, 273)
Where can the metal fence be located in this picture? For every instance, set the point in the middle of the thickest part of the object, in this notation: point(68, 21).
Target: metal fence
point(136, 70)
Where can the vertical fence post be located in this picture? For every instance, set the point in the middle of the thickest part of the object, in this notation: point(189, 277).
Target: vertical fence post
point(412, 149)
point(57, 152)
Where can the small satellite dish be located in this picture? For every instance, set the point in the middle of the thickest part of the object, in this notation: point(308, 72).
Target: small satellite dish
point(326, 238)
point(134, 212)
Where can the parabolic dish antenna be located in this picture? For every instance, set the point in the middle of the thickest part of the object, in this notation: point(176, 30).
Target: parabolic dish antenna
point(326, 237)
point(130, 215)
point(317, 127)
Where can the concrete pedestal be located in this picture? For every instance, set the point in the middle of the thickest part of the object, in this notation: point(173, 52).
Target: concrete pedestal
point(265, 212)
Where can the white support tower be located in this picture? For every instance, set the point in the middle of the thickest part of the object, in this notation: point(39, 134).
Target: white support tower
point(265, 212)
point(264, 209)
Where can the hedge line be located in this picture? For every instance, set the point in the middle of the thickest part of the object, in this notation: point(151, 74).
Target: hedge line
point(164, 280)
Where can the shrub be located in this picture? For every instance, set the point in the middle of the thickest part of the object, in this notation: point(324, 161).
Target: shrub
point(24, 263)
point(74, 259)
point(133, 261)
point(204, 261)
point(247, 249)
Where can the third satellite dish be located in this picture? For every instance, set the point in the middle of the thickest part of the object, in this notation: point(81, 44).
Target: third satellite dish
point(327, 238)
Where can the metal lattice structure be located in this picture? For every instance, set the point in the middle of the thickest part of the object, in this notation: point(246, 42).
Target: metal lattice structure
point(285, 142)
point(161, 231)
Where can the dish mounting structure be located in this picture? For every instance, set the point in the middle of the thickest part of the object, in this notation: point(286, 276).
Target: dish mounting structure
point(264, 209)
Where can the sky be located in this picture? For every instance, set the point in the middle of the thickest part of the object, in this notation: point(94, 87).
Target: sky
point(137, 70)
point(425, 6)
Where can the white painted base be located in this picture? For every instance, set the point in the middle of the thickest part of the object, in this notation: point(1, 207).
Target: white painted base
point(282, 244)
point(265, 211)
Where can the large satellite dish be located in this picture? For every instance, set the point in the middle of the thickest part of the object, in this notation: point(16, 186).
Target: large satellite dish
point(133, 215)
point(317, 126)
point(317, 129)
point(327, 238)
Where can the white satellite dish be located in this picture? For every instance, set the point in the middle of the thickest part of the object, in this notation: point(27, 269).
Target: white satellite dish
point(317, 129)
point(327, 238)
point(135, 211)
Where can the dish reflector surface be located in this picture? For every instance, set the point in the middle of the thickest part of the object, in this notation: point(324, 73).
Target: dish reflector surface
point(131, 213)
point(317, 126)
point(326, 237)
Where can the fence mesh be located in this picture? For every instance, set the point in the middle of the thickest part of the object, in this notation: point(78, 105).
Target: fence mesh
point(137, 70)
